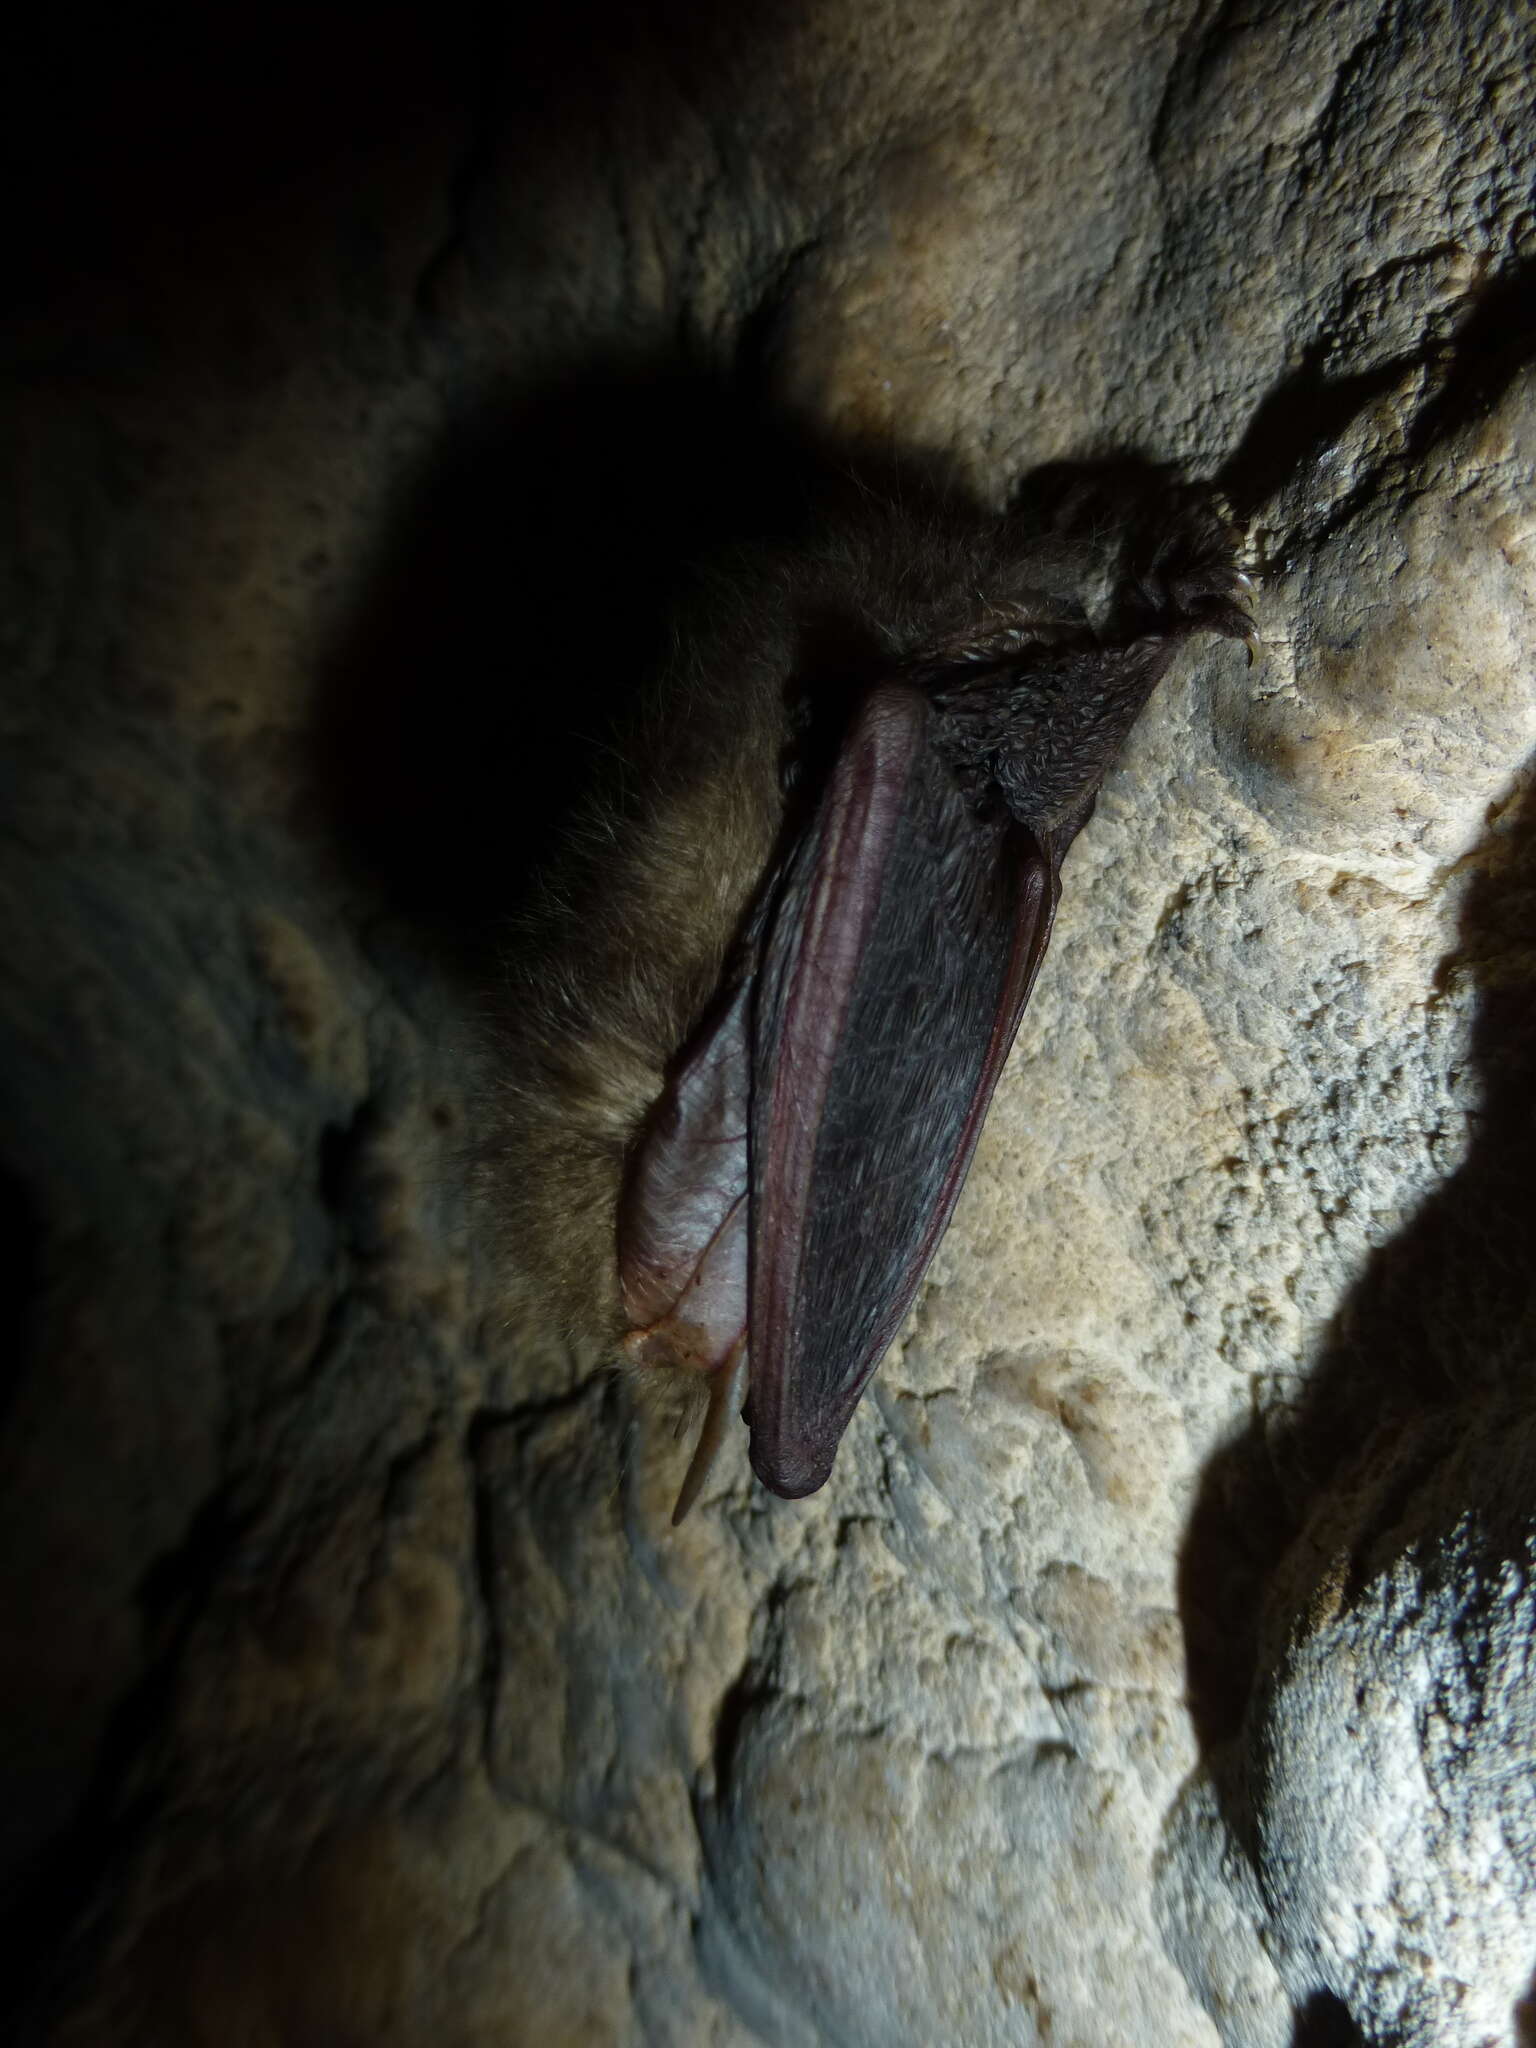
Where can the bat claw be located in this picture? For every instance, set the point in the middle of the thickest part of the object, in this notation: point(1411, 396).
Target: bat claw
point(724, 1395)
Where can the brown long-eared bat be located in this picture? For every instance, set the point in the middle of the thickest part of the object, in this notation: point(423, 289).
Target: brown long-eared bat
point(772, 979)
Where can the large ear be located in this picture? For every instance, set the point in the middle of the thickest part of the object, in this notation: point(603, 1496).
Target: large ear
point(683, 1210)
point(898, 956)
point(683, 1224)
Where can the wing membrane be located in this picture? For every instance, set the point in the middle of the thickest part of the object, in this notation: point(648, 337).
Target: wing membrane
point(899, 954)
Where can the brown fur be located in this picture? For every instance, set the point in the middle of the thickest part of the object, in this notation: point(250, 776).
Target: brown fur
point(638, 908)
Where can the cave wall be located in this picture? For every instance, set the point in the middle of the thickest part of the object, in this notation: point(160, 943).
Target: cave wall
point(1157, 1667)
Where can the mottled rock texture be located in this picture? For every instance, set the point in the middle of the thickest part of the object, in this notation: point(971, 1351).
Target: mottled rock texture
point(1157, 1667)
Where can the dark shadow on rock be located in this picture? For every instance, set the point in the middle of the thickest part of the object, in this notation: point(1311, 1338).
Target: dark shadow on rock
point(516, 605)
point(1324, 2022)
point(1439, 1330)
point(217, 193)
point(56, 1906)
point(22, 1244)
point(519, 598)
point(1308, 411)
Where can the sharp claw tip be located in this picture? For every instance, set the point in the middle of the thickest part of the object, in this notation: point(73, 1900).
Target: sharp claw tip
point(724, 1393)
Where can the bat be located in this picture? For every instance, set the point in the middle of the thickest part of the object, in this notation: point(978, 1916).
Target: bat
point(945, 695)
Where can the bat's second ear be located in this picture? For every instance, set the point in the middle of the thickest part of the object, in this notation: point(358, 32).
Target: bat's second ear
point(683, 1214)
point(683, 1227)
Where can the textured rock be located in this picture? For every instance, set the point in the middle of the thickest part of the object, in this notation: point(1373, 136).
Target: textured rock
point(1156, 1667)
point(1391, 1785)
point(1371, 1838)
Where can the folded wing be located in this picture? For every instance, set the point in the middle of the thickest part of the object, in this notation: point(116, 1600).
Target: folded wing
point(898, 956)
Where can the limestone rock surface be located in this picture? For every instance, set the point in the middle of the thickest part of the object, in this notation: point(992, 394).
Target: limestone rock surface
point(1156, 1670)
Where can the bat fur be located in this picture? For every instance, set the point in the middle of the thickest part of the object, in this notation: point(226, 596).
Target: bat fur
point(637, 913)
